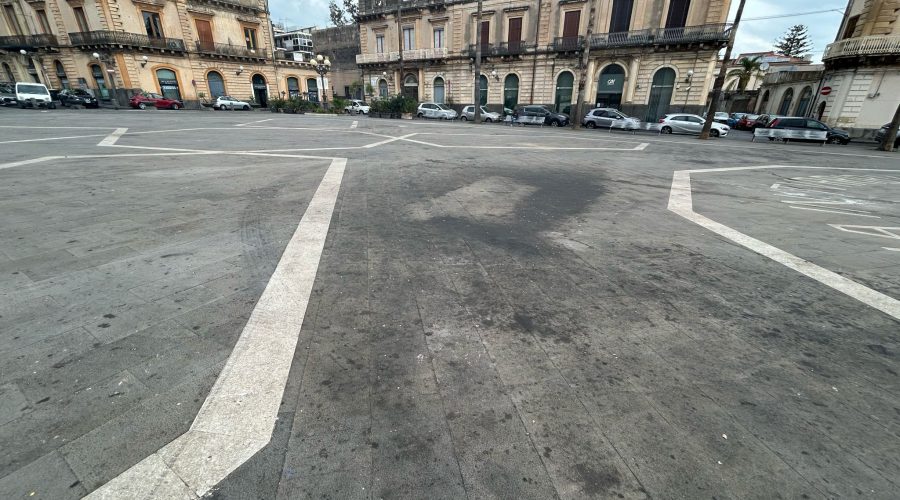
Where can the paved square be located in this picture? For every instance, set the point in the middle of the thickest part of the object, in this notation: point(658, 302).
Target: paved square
point(487, 311)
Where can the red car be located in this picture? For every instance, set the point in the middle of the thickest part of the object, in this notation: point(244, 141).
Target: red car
point(141, 101)
point(166, 103)
point(746, 122)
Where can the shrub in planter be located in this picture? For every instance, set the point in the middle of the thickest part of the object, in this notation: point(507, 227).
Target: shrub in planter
point(276, 105)
point(338, 104)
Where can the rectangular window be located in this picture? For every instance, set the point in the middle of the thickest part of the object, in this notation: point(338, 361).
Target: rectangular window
point(485, 34)
point(620, 20)
point(204, 34)
point(379, 44)
point(439, 38)
point(514, 34)
point(250, 38)
point(12, 20)
point(42, 20)
point(81, 19)
point(678, 13)
point(851, 27)
point(571, 24)
point(409, 38)
point(152, 24)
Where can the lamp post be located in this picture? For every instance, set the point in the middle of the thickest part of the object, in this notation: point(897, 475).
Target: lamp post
point(687, 91)
point(323, 65)
point(111, 73)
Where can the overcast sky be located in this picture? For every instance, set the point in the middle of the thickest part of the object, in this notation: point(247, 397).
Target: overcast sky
point(754, 36)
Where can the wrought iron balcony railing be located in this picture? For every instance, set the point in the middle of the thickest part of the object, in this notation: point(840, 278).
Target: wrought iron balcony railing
point(248, 5)
point(622, 39)
point(226, 50)
point(122, 39)
point(715, 33)
point(17, 42)
point(512, 48)
point(568, 43)
point(487, 49)
point(875, 45)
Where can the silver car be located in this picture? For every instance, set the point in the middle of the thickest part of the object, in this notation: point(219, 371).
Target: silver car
point(434, 110)
point(468, 113)
point(689, 124)
point(609, 118)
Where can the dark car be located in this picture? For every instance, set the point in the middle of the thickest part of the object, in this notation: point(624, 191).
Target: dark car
point(550, 118)
point(763, 121)
point(77, 97)
point(879, 136)
point(833, 135)
point(7, 94)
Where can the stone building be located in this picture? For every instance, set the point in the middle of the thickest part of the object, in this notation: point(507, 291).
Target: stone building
point(178, 48)
point(341, 45)
point(647, 57)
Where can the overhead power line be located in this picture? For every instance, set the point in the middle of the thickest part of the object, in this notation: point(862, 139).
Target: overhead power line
point(796, 14)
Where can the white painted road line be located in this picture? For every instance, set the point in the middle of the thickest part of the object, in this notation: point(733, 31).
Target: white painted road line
point(833, 211)
point(52, 138)
point(681, 202)
point(111, 139)
point(238, 416)
point(388, 141)
point(257, 121)
point(354, 124)
point(27, 162)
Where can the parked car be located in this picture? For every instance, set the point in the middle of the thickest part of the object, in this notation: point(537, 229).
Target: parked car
point(879, 136)
point(550, 118)
point(7, 94)
point(734, 119)
point(746, 122)
point(224, 102)
point(77, 97)
point(468, 113)
point(763, 121)
point(356, 107)
point(434, 110)
point(144, 100)
point(166, 103)
point(833, 135)
point(33, 95)
point(690, 124)
point(607, 118)
point(721, 117)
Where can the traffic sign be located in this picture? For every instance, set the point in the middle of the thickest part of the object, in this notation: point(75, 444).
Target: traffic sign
point(825, 90)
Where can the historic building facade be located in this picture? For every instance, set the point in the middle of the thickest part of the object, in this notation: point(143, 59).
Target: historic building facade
point(178, 48)
point(647, 57)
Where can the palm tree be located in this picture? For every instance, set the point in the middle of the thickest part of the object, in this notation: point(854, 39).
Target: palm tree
point(748, 69)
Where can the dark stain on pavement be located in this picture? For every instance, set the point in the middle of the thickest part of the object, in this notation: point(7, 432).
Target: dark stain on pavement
point(596, 482)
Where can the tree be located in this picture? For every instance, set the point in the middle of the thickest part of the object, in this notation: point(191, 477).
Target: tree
point(336, 13)
point(351, 7)
point(794, 43)
point(342, 16)
point(748, 69)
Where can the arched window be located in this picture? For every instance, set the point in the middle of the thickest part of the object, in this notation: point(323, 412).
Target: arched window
point(382, 88)
point(803, 103)
point(168, 84)
point(293, 86)
point(61, 74)
point(483, 90)
point(411, 86)
point(764, 102)
point(439, 90)
point(511, 91)
point(260, 90)
point(32, 70)
point(216, 84)
point(97, 73)
point(660, 94)
point(7, 71)
point(610, 86)
point(785, 107)
point(312, 90)
point(564, 83)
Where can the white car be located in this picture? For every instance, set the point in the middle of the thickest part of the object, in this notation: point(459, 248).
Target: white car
point(468, 113)
point(689, 124)
point(434, 110)
point(224, 102)
point(356, 107)
point(609, 118)
point(33, 95)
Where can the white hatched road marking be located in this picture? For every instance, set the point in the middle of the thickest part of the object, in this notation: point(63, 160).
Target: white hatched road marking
point(250, 123)
point(354, 124)
point(113, 137)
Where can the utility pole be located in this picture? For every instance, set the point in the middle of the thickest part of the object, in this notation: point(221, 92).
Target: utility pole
point(477, 92)
point(400, 46)
point(577, 111)
point(887, 142)
point(720, 80)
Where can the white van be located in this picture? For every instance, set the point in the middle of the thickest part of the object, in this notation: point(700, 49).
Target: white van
point(33, 95)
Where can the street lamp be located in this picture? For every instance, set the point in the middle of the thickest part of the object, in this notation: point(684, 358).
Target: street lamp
point(323, 65)
point(111, 73)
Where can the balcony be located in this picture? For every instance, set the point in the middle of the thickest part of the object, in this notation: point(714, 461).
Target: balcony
point(121, 39)
point(567, 43)
point(240, 5)
point(229, 51)
point(512, 48)
point(27, 42)
point(487, 49)
point(705, 33)
point(372, 7)
point(425, 54)
point(379, 58)
point(635, 38)
point(876, 45)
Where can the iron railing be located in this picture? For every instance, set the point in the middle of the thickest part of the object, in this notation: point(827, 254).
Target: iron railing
point(367, 7)
point(568, 43)
point(874, 45)
point(717, 33)
point(621, 39)
point(487, 49)
point(15, 42)
point(252, 5)
point(122, 39)
point(512, 48)
point(224, 49)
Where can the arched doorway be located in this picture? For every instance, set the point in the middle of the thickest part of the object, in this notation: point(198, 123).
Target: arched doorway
point(610, 86)
point(482, 90)
point(439, 90)
point(168, 84)
point(785, 107)
point(260, 90)
point(61, 74)
point(821, 112)
point(803, 103)
point(32, 70)
point(763, 103)
point(511, 91)
point(312, 90)
point(216, 84)
point(564, 84)
point(293, 86)
point(411, 86)
point(97, 73)
point(660, 94)
point(382, 88)
point(7, 72)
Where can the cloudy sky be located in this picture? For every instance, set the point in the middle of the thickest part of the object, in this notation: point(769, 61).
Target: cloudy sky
point(754, 36)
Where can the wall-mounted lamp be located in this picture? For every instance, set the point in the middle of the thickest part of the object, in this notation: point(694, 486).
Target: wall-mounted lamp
point(690, 75)
point(240, 69)
point(144, 61)
point(495, 75)
point(23, 52)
